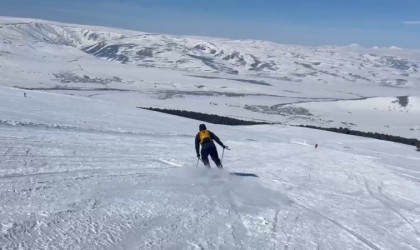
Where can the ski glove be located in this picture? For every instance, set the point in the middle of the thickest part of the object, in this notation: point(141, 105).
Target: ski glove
point(198, 155)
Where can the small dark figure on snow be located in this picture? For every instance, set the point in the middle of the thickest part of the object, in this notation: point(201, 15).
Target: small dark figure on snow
point(316, 145)
point(24, 94)
point(205, 139)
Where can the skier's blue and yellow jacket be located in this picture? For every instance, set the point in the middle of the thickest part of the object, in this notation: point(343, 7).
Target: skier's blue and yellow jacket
point(205, 139)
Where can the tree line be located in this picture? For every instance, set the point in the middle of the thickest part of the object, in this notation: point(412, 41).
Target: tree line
point(215, 119)
point(379, 136)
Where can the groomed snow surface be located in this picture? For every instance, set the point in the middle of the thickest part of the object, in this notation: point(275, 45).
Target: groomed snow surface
point(80, 173)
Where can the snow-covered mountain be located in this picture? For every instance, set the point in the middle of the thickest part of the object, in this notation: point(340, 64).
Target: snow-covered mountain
point(350, 64)
point(246, 79)
point(263, 60)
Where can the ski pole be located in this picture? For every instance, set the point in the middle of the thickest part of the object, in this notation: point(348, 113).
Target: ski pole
point(223, 153)
point(221, 161)
point(198, 159)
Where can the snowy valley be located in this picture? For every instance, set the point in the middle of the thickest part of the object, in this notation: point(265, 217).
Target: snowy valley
point(326, 86)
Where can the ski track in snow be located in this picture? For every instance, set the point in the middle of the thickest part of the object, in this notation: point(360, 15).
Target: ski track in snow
point(64, 187)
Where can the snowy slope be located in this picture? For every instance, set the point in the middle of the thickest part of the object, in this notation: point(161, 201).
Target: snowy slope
point(251, 80)
point(82, 173)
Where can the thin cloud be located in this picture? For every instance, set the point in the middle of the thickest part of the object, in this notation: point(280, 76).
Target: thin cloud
point(412, 22)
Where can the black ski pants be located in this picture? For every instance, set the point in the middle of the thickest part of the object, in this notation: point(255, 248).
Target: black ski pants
point(212, 151)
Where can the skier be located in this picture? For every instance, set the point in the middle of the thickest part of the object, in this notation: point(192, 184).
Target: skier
point(205, 139)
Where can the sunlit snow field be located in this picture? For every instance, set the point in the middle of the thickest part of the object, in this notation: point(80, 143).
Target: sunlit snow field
point(77, 173)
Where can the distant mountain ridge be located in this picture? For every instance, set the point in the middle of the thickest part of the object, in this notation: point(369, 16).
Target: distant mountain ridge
point(258, 59)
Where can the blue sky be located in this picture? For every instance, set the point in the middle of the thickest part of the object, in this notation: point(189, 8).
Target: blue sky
point(306, 22)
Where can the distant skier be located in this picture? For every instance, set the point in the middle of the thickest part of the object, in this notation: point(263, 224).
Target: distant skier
point(24, 94)
point(205, 139)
